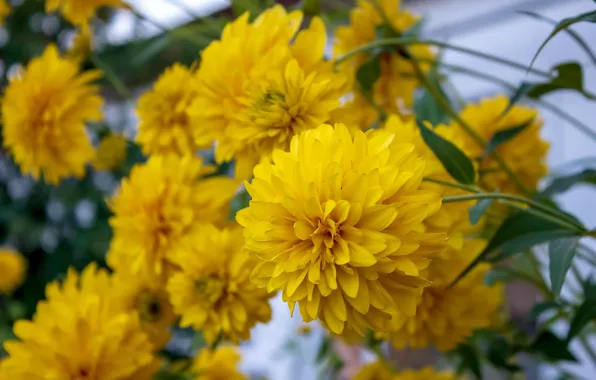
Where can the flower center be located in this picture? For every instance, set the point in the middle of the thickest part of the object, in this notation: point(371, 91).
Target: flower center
point(149, 306)
point(82, 374)
point(210, 288)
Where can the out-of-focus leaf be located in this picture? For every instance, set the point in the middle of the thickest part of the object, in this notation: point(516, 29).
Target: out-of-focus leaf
point(561, 253)
point(469, 361)
point(477, 211)
point(312, 7)
point(569, 77)
point(369, 73)
point(519, 93)
point(584, 315)
point(323, 349)
point(551, 347)
point(541, 307)
point(500, 355)
point(562, 184)
point(426, 107)
point(502, 137)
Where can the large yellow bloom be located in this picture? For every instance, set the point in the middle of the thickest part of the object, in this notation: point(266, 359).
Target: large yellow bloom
point(256, 90)
point(161, 202)
point(5, 10)
point(337, 225)
point(44, 113)
point(80, 333)
point(213, 292)
point(447, 316)
point(394, 90)
point(164, 125)
point(379, 371)
point(218, 364)
point(13, 269)
point(525, 153)
point(80, 12)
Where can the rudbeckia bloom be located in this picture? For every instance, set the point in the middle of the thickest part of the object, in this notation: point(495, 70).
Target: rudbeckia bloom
point(44, 111)
point(110, 153)
point(336, 224)
point(164, 125)
point(13, 269)
point(159, 204)
point(79, 332)
point(80, 12)
point(212, 292)
point(217, 364)
point(447, 316)
point(525, 153)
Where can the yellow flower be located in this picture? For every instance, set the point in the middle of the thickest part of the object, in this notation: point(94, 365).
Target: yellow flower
point(394, 90)
point(158, 205)
point(426, 373)
point(110, 153)
point(447, 316)
point(164, 125)
point(44, 113)
point(80, 12)
point(379, 371)
point(337, 225)
point(525, 153)
point(82, 45)
point(218, 364)
point(374, 371)
point(146, 296)
point(256, 90)
point(13, 269)
point(5, 10)
point(80, 333)
point(213, 292)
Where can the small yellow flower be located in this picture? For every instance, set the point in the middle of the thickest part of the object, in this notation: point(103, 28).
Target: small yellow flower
point(80, 12)
point(218, 364)
point(336, 223)
point(13, 269)
point(158, 205)
point(110, 153)
point(164, 125)
point(5, 10)
point(44, 113)
point(213, 292)
point(80, 332)
point(381, 371)
point(374, 371)
point(82, 45)
point(304, 329)
point(426, 373)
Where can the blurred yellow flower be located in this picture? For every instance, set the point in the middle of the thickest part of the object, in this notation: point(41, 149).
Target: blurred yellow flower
point(336, 223)
point(5, 10)
point(447, 316)
point(44, 111)
point(82, 44)
point(80, 332)
point(213, 292)
point(426, 373)
point(374, 371)
point(221, 363)
point(13, 269)
point(164, 125)
point(110, 153)
point(525, 153)
point(159, 204)
point(80, 12)
point(379, 371)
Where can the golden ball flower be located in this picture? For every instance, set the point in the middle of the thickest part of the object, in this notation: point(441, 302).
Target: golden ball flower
point(44, 111)
point(220, 363)
point(379, 371)
point(13, 269)
point(80, 12)
point(525, 153)
point(5, 10)
point(212, 292)
point(164, 125)
point(80, 332)
point(159, 204)
point(336, 224)
point(110, 153)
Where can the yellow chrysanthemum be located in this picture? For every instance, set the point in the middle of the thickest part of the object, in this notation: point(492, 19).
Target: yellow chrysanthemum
point(162, 202)
point(379, 371)
point(374, 371)
point(5, 10)
point(110, 153)
point(79, 12)
point(394, 90)
point(146, 296)
point(44, 113)
point(213, 292)
point(80, 333)
point(13, 269)
point(257, 91)
point(164, 125)
point(221, 363)
point(337, 225)
point(447, 316)
point(525, 153)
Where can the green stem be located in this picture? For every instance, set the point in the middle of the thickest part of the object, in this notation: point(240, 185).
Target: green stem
point(111, 76)
point(471, 189)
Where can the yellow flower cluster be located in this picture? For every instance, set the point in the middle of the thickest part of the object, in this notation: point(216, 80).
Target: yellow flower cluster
point(4, 11)
point(13, 269)
point(379, 371)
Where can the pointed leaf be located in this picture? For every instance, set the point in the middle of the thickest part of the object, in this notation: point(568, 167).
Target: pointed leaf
point(552, 347)
point(562, 184)
point(476, 211)
point(502, 137)
point(569, 76)
point(561, 253)
point(369, 73)
point(540, 308)
point(584, 315)
point(469, 360)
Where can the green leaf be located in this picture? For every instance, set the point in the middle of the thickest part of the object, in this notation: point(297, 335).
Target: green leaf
point(469, 360)
point(584, 314)
point(500, 354)
point(475, 213)
point(562, 25)
point(552, 347)
point(458, 165)
point(540, 308)
point(323, 349)
point(426, 107)
point(589, 288)
point(561, 253)
point(562, 184)
point(569, 76)
point(369, 73)
point(312, 7)
point(502, 137)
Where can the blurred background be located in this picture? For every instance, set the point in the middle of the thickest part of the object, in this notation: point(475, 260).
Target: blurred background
point(67, 225)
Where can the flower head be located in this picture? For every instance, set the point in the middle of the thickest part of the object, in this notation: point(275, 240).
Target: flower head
point(80, 332)
point(110, 153)
point(44, 113)
point(13, 269)
point(213, 291)
point(82, 44)
point(165, 125)
point(379, 371)
point(426, 373)
point(336, 224)
point(80, 12)
point(221, 363)
point(5, 10)
point(158, 205)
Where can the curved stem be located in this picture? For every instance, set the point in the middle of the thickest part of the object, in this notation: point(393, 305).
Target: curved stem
point(471, 189)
